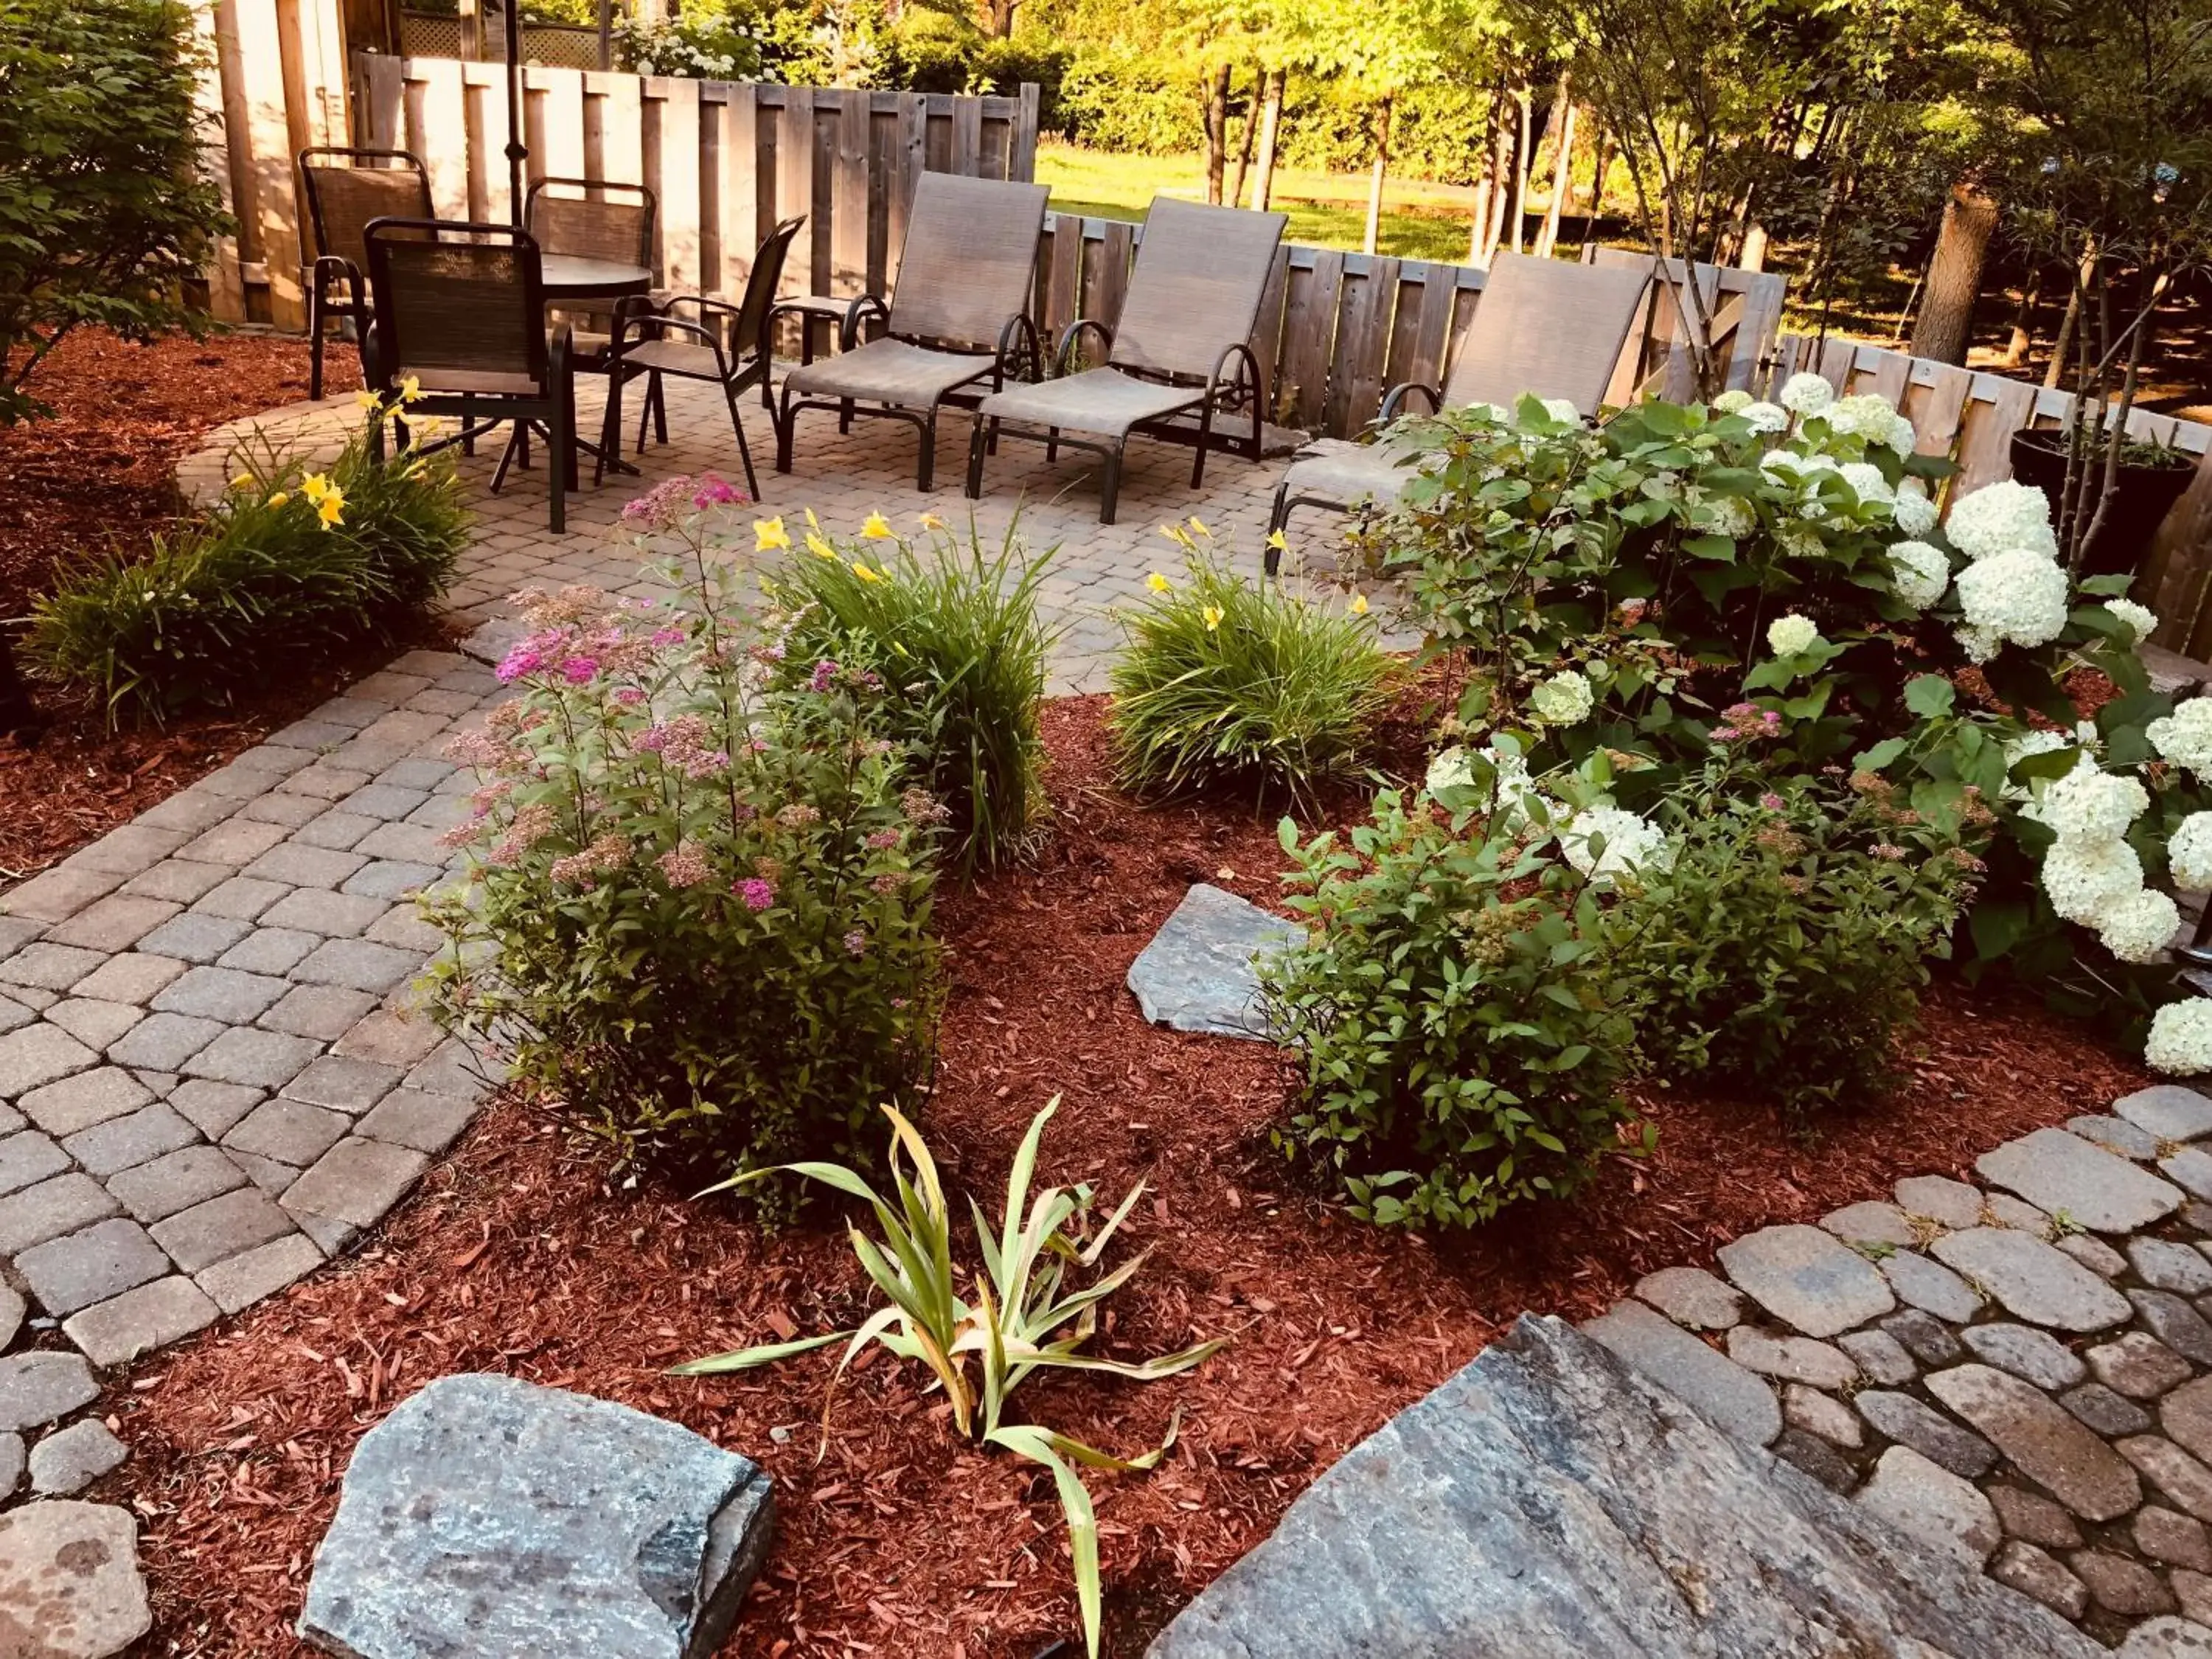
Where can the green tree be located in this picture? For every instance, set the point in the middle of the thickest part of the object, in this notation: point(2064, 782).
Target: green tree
point(103, 211)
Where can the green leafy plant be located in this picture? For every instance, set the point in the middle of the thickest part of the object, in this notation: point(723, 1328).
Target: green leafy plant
point(1226, 681)
point(1025, 1315)
point(287, 562)
point(954, 634)
point(697, 910)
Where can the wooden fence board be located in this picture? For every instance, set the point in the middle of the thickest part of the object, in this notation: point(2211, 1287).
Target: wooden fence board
point(739, 184)
point(1116, 249)
point(1309, 331)
point(678, 219)
point(1062, 275)
point(440, 137)
point(1268, 332)
point(849, 233)
point(1369, 301)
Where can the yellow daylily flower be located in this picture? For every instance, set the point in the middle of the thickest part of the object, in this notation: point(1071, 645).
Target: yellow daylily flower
point(243, 481)
point(1198, 527)
point(770, 534)
point(1179, 535)
point(410, 390)
point(820, 548)
point(1157, 583)
point(1359, 604)
point(276, 500)
point(330, 509)
point(864, 573)
point(812, 523)
point(1277, 540)
point(931, 521)
point(1212, 614)
point(368, 400)
point(315, 486)
point(877, 528)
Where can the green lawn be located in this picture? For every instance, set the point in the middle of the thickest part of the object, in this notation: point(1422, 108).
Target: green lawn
point(1421, 221)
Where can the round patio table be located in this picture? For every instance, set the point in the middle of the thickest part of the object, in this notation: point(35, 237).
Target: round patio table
point(571, 276)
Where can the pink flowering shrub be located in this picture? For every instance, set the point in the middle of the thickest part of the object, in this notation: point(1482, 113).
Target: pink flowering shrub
point(698, 906)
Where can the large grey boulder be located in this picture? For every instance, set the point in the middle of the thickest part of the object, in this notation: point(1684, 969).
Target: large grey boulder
point(488, 1516)
point(70, 1585)
point(1549, 1501)
point(1197, 973)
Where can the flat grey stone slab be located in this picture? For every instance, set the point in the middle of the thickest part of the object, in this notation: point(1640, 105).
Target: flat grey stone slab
point(1809, 1279)
point(488, 1516)
point(68, 1461)
point(2166, 1266)
point(1870, 1224)
point(1710, 1383)
point(1911, 1421)
point(1939, 1198)
point(79, 1103)
point(1880, 1357)
point(51, 1208)
point(2027, 1353)
point(2031, 1280)
point(80, 1268)
point(2116, 1135)
point(40, 1054)
point(244, 1280)
point(1794, 1359)
point(1931, 1286)
point(1546, 1502)
point(36, 1387)
point(355, 1181)
point(2168, 1111)
point(2064, 1175)
point(2045, 1443)
point(69, 1573)
point(217, 1228)
point(1932, 1505)
point(1197, 974)
point(1692, 1297)
point(149, 1317)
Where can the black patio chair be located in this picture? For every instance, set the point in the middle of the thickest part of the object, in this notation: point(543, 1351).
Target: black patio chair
point(460, 309)
point(346, 187)
point(727, 345)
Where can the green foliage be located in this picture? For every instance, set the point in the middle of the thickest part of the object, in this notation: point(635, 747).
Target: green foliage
point(1462, 1027)
point(955, 637)
point(705, 44)
point(1224, 680)
point(103, 210)
point(1025, 1317)
point(263, 580)
point(696, 913)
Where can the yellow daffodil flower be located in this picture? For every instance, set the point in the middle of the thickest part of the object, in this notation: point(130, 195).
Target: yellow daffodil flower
point(1157, 583)
point(1198, 527)
point(931, 521)
point(276, 500)
point(877, 528)
point(1359, 604)
point(1212, 614)
point(864, 573)
point(768, 534)
point(820, 548)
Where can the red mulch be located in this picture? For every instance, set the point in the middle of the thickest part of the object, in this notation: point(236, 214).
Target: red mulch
point(519, 1256)
point(99, 471)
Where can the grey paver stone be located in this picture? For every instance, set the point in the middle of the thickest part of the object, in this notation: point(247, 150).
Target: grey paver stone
point(290, 810)
point(402, 926)
point(326, 1012)
point(2164, 1266)
point(2139, 1366)
point(39, 1387)
point(80, 1102)
point(56, 895)
point(175, 1182)
point(179, 879)
point(2003, 1210)
point(12, 1463)
point(1876, 1224)
point(213, 1107)
point(128, 850)
point(13, 1013)
point(1816, 1457)
point(1807, 1279)
point(325, 782)
point(305, 866)
point(34, 998)
point(141, 1319)
point(355, 1181)
point(2034, 1517)
point(2168, 1535)
point(138, 1138)
point(13, 1310)
point(1933, 1505)
point(1796, 1358)
point(225, 993)
point(309, 734)
point(49, 966)
point(1711, 1384)
point(335, 829)
point(347, 1085)
point(358, 964)
point(2116, 1135)
point(332, 1237)
point(115, 923)
point(196, 936)
point(242, 898)
point(264, 1060)
point(2093, 1253)
point(1881, 1357)
point(81, 1268)
point(2185, 1414)
point(2028, 1352)
point(406, 843)
point(135, 977)
point(2181, 1478)
point(288, 1131)
point(2121, 1585)
point(218, 1228)
point(1930, 1286)
point(269, 950)
point(28, 1158)
point(327, 915)
point(391, 878)
point(2062, 1174)
point(2194, 1591)
point(2111, 1414)
point(2043, 1441)
point(94, 1024)
point(235, 841)
point(2168, 1637)
point(1823, 1415)
point(2168, 1111)
point(2175, 1323)
point(2193, 1167)
point(2037, 1573)
point(164, 1042)
point(68, 1460)
point(451, 1069)
point(37, 1054)
point(61, 1204)
point(417, 774)
point(2031, 1280)
point(1912, 1422)
point(189, 810)
point(245, 1279)
point(272, 1176)
point(384, 801)
point(428, 1123)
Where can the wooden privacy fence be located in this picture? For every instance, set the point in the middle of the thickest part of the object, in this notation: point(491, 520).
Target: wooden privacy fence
point(1970, 417)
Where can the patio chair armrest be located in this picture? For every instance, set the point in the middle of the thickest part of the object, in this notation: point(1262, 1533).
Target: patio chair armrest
point(1398, 394)
point(663, 325)
point(849, 332)
point(1214, 382)
point(1070, 336)
point(560, 356)
point(1019, 325)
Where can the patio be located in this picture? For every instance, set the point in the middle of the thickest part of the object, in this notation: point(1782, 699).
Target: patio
point(842, 478)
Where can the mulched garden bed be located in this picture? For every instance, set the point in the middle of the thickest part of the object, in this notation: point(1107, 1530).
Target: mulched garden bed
point(102, 470)
point(521, 1255)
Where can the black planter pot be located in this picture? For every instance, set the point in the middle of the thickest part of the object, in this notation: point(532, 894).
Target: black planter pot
point(2146, 494)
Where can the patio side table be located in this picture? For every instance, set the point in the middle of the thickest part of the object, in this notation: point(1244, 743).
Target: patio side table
point(571, 279)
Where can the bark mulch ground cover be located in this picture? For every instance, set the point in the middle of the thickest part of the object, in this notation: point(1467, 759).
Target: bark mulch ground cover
point(521, 1254)
point(100, 472)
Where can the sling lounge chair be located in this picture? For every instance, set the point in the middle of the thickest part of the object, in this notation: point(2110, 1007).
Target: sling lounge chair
point(959, 313)
point(1183, 346)
point(1543, 327)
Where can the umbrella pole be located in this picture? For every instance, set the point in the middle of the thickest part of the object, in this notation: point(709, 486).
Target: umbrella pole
point(515, 149)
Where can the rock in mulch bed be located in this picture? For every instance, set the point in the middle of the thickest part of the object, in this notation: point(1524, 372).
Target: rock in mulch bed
point(69, 1585)
point(1197, 974)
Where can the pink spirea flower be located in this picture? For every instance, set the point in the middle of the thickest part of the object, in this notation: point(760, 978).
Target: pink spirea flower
point(826, 673)
point(684, 866)
point(715, 491)
point(856, 943)
point(517, 662)
point(757, 892)
point(667, 636)
point(579, 670)
point(884, 838)
point(661, 507)
point(629, 696)
point(1771, 801)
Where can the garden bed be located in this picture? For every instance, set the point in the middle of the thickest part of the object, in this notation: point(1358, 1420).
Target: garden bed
point(522, 1257)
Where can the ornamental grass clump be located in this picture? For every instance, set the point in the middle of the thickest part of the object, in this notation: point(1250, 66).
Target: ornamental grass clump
point(696, 905)
point(1025, 1315)
point(953, 633)
point(1225, 681)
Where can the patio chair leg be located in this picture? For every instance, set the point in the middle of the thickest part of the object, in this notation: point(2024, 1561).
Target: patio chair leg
point(976, 445)
point(991, 442)
point(1278, 516)
point(925, 469)
point(315, 341)
point(645, 408)
point(1051, 444)
point(499, 473)
point(610, 426)
point(1110, 485)
point(1204, 439)
point(744, 449)
point(783, 428)
point(659, 396)
point(844, 415)
point(563, 457)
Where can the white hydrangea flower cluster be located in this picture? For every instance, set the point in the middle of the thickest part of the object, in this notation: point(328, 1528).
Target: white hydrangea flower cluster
point(1792, 635)
point(2189, 854)
point(2184, 737)
point(2141, 620)
point(2000, 517)
point(1626, 842)
point(2017, 597)
point(1806, 394)
point(1562, 700)
point(1734, 401)
point(1728, 515)
point(1563, 409)
point(2090, 804)
point(1866, 481)
point(1915, 513)
point(2091, 874)
point(1517, 794)
point(1870, 415)
point(1921, 573)
point(2180, 1043)
point(1765, 417)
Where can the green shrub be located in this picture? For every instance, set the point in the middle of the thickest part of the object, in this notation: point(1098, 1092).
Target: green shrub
point(697, 912)
point(955, 637)
point(1224, 680)
point(272, 573)
point(1462, 1027)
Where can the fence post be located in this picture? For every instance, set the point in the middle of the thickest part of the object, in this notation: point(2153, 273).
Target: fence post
point(1021, 155)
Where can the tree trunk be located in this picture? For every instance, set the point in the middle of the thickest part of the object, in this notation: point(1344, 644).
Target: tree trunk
point(1563, 175)
point(1753, 257)
point(2053, 376)
point(1522, 161)
point(1501, 168)
point(1375, 179)
point(1251, 123)
point(1217, 132)
point(1271, 117)
point(2022, 339)
point(1945, 327)
point(1601, 164)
